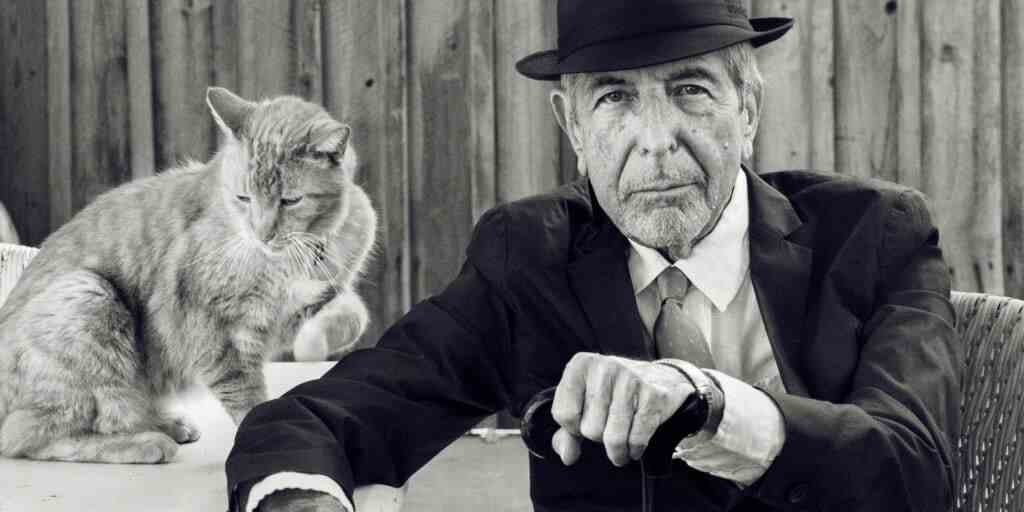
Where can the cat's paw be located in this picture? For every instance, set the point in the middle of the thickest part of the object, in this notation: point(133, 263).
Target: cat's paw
point(182, 431)
point(311, 342)
point(151, 448)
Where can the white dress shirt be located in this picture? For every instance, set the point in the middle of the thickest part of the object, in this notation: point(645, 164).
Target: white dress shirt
point(722, 303)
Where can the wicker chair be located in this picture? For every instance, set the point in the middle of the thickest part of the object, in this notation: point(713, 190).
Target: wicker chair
point(991, 465)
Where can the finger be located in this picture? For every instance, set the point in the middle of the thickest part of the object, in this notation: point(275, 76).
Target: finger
point(620, 419)
point(567, 406)
point(646, 420)
point(597, 399)
point(566, 445)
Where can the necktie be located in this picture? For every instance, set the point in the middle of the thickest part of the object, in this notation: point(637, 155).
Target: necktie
point(675, 335)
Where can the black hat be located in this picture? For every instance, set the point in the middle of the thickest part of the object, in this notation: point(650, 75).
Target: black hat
point(608, 35)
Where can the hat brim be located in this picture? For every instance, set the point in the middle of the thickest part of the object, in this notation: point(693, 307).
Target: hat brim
point(651, 49)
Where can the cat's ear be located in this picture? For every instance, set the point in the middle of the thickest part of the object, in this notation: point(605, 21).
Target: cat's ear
point(229, 111)
point(333, 142)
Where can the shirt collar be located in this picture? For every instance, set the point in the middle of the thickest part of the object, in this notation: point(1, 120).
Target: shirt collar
point(718, 263)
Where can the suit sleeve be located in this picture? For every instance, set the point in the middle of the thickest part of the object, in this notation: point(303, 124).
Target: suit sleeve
point(381, 413)
point(888, 444)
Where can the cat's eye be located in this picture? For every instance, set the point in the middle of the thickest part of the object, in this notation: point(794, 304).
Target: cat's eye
point(244, 199)
point(290, 201)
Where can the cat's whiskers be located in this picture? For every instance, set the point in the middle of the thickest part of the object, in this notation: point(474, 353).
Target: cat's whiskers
point(320, 258)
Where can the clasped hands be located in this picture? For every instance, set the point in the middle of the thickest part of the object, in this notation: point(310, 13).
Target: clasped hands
point(611, 400)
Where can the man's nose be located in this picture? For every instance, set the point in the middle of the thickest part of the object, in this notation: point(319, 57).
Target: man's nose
point(658, 134)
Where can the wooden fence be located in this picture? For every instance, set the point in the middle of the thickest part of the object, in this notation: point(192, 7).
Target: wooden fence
point(96, 92)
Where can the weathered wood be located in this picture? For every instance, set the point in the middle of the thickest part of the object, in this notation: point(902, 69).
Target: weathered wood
point(364, 70)
point(481, 87)
point(984, 198)
point(947, 133)
point(226, 38)
point(908, 92)
point(866, 82)
point(1013, 147)
point(440, 140)
point(266, 49)
point(99, 99)
point(797, 117)
point(58, 113)
point(307, 63)
point(528, 155)
point(182, 63)
point(140, 90)
point(23, 120)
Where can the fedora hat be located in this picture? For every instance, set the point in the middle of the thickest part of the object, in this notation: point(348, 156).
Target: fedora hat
point(610, 35)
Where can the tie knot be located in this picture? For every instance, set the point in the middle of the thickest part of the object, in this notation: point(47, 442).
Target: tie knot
point(672, 284)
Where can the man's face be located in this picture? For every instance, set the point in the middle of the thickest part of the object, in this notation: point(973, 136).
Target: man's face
point(662, 146)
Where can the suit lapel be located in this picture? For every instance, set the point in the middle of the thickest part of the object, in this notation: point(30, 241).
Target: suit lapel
point(599, 276)
point(780, 269)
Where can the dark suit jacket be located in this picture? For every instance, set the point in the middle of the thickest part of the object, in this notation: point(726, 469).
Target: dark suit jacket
point(854, 294)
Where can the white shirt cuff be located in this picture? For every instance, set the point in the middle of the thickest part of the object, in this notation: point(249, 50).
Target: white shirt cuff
point(292, 480)
point(748, 439)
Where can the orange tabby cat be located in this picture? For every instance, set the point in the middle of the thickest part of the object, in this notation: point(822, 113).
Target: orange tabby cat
point(193, 276)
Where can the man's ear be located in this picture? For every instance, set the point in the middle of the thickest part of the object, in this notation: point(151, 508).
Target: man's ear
point(563, 110)
point(228, 110)
point(751, 116)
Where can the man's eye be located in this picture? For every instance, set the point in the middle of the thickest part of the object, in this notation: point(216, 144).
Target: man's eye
point(244, 199)
point(690, 90)
point(290, 201)
point(613, 97)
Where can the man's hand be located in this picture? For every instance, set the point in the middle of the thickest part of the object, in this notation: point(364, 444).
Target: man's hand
point(615, 401)
point(300, 500)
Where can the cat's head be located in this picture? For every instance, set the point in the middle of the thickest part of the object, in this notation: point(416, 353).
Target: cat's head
point(285, 166)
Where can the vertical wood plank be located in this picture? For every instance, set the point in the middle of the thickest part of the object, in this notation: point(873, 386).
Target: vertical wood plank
point(266, 49)
point(797, 118)
point(182, 67)
point(866, 83)
point(908, 92)
point(439, 142)
point(364, 70)
point(480, 84)
point(99, 99)
point(307, 65)
point(947, 131)
point(140, 89)
point(226, 37)
point(58, 108)
point(1013, 146)
point(23, 121)
point(529, 153)
point(985, 200)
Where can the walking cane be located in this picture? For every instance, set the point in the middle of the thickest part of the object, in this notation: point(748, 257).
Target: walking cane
point(538, 427)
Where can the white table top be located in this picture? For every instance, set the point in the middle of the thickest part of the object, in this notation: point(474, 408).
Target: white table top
point(193, 481)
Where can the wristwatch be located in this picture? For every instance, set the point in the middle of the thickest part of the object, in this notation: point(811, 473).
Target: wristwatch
point(707, 391)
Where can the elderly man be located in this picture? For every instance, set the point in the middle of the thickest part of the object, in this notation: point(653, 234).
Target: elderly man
point(808, 313)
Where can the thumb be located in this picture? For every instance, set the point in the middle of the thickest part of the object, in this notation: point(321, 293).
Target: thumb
point(566, 445)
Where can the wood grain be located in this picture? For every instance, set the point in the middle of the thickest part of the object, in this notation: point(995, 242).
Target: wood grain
point(24, 129)
point(266, 48)
point(140, 90)
point(798, 73)
point(1012, 206)
point(947, 135)
point(99, 99)
point(529, 155)
point(440, 142)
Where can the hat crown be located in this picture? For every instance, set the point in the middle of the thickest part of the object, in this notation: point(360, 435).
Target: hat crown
point(583, 23)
